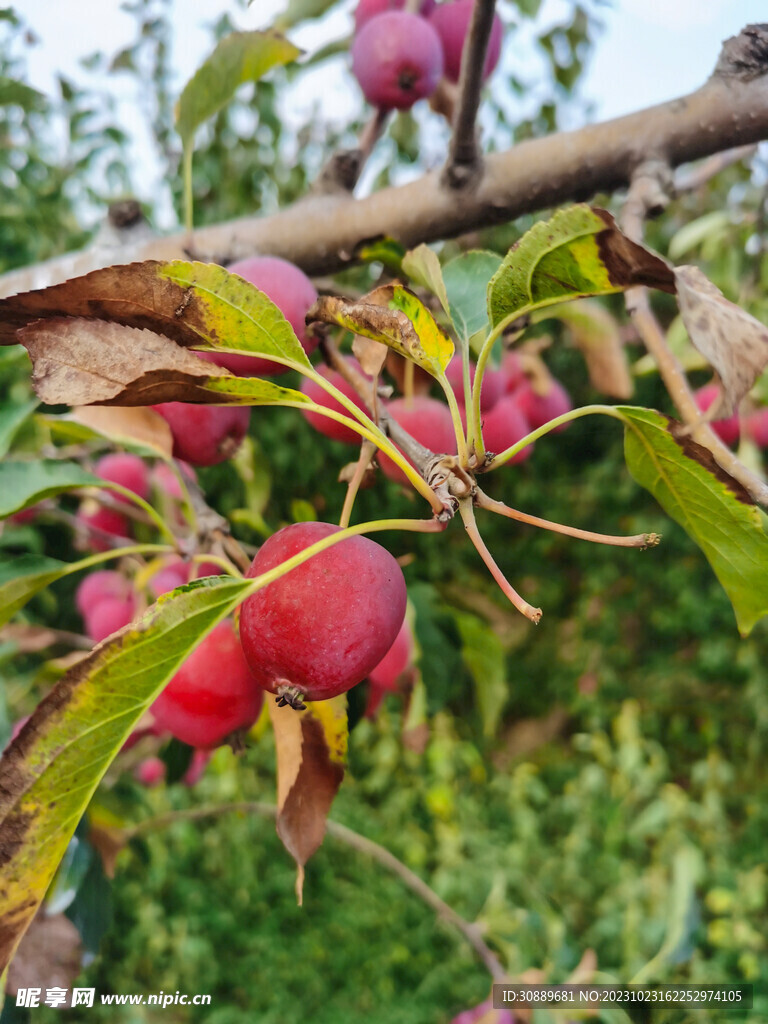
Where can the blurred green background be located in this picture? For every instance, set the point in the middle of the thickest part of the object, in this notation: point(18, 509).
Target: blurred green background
point(598, 783)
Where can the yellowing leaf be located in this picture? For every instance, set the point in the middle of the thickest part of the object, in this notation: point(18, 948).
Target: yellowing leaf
point(396, 317)
point(311, 755)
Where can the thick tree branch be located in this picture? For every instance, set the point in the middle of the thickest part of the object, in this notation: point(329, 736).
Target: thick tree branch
point(464, 156)
point(321, 233)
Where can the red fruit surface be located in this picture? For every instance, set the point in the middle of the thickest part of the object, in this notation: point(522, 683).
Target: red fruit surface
point(368, 9)
point(511, 367)
point(98, 586)
point(494, 383)
point(428, 421)
point(397, 59)
point(395, 661)
point(728, 430)
point(757, 427)
point(291, 291)
point(205, 434)
point(173, 575)
point(324, 425)
point(105, 519)
point(166, 480)
point(125, 469)
point(26, 515)
point(201, 569)
point(108, 616)
point(504, 426)
point(451, 22)
point(212, 694)
point(323, 626)
point(150, 772)
point(540, 409)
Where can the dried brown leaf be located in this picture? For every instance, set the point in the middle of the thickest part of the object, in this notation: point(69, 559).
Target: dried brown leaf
point(370, 354)
point(82, 362)
point(132, 423)
point(311, 750)
point(735, 343)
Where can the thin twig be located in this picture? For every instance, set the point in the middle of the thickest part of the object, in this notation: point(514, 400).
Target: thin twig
point(342, 170)
point(464, 155)
point(367, 449)
point(468, 516)
point(470, 931)
point(639, 540)
point(694, 177)
point(640, 198)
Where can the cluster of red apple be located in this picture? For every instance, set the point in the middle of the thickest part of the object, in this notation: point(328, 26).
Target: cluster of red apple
point(399, 57)
point(331, 622)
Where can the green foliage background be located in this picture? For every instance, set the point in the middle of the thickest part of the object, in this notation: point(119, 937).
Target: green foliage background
point(617, 800)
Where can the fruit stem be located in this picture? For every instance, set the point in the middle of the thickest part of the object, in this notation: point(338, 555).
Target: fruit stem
point(366, 451)
point(468, 516)
point(409, 372)
point(188, 196)
point(567, 417)
point(229, 568)
point(458, 426)
point(639, 540)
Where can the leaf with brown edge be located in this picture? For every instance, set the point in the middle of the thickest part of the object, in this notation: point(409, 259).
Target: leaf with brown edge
point(579, 251)
point(396, 317)
point(50, 771)
point(83, 362)
point(311, 754)
point(735, 343)
point(194, 304)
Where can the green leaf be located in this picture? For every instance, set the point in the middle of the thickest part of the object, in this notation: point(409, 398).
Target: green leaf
point(422, 266)
point(483, 654)
point(25, 483)
point(466, 282)
point(239, 57)
point(580, 251)
point(255, 391)
point(236, 316)
point(712, 508)
point(50, 772)
point(12, 418)
point(13, 92)
point(301, 10)
point(381, 250)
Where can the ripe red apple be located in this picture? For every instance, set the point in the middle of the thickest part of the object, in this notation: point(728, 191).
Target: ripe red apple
point(98, 586)
point(428, 421)
point(291, 291)
point(323, 626)
point(175, 573)
point(205, 434)
point(512, 368)
point(494, 382)
point(397, 659)
point(504, 426)
point(109, 615)
point(397, 59)
point(212, 694)
point(166, 480)
point(328, 427)
point(368, 9)
point(127, 470)
point(99, 517)
point(539, 406)
point(451, 22)
point(728, 430)
point(150, 772)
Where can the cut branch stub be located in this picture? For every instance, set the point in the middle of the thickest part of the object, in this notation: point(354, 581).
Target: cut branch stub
point(580, 251)
point(733, 341)
point(194, 304)
point(396, 317)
